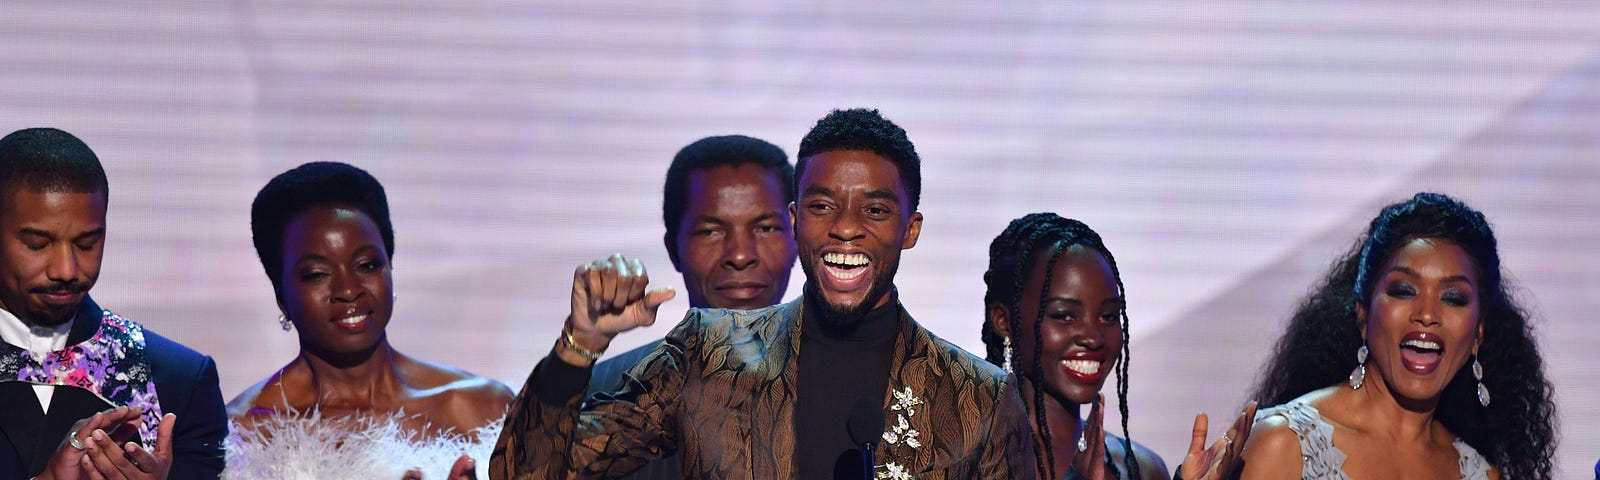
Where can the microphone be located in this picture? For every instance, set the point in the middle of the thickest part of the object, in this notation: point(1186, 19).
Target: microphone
point(866, 427)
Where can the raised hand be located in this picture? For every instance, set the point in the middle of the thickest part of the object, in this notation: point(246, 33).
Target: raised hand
point(610, 296)
point(1090, 462)
point(130, 462)
point(1221, 459)
point(67, 462)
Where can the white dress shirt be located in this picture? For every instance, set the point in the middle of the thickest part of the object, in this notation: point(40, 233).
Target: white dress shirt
point(38, 341)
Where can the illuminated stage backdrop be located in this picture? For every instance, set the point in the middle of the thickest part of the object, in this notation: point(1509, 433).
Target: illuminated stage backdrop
point(1227, 151)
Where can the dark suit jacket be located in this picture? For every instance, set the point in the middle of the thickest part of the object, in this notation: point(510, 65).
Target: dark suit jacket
point(186, 383)
point(610, 376)
point(721, 393)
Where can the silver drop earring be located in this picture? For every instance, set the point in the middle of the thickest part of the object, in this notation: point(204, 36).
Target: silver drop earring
point(1007, 365)
point(1359, 375)
point(1477, 373)
point(283, 321)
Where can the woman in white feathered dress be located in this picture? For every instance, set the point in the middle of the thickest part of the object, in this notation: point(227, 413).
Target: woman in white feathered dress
point(349, 405)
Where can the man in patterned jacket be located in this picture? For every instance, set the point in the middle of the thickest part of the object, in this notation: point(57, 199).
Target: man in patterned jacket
point(725, 206)
point(774, 393)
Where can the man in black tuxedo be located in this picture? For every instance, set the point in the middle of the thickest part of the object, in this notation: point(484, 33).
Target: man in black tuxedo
point(85, 393)
point(726, 208)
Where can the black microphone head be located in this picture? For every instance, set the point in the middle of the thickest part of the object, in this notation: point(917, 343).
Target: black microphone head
point(865, 423)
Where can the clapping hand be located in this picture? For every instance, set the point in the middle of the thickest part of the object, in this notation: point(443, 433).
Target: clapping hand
point(1221, 460)
point(72, 455)
point(1090, 462)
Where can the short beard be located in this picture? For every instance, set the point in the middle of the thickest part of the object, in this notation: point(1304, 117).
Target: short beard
point(838, 320)
point(44, 319)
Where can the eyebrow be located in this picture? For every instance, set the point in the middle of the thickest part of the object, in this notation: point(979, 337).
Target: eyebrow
point(1067, 300)
point(769, 215)
point(884, 195)
point(1076, 302)
point(1449, 279)
point(310, 258)
point(817, 190)
point(35, 232)
point(98, 232)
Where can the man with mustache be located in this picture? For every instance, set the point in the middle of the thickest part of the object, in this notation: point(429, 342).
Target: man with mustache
point(789, 391)
point(64, 357)
point(725, 206)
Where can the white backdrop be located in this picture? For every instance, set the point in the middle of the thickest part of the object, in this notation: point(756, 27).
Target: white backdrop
point(1227, 151)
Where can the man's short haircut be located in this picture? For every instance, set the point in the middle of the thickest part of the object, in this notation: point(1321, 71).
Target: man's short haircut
point(865, 130)
point(49, 160)
point(707, 153)
point(315, 184)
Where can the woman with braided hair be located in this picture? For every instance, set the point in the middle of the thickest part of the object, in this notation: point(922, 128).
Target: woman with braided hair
point(1062, 333)
point(1055, 298)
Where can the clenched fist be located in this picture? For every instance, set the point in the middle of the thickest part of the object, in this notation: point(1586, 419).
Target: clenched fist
point(610, 296)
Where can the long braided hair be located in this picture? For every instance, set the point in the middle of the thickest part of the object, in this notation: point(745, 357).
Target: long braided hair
point(1011, 254)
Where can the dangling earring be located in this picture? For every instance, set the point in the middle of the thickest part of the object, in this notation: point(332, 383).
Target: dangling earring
point(1007, 364)
point(1477, 372)
point(283, 321)
point(1359, 375)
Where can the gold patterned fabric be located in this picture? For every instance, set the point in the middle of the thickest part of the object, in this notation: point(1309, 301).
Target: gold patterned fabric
point(721, 393)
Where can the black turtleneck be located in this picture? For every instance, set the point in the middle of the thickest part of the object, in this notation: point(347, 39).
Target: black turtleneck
point(841, 360)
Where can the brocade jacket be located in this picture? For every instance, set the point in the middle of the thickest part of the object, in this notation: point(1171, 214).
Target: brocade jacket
point(720, 392)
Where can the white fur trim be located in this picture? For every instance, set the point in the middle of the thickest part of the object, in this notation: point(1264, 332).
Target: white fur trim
point(310, 447)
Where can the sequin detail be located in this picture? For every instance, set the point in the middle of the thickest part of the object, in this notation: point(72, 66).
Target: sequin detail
point(111, 364)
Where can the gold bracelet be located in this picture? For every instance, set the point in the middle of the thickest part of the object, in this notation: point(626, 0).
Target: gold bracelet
point(587, 354)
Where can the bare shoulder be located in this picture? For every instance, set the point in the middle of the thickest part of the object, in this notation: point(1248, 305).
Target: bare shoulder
point(1151, 466)
point(1273, 450)
point(266, 397)
point(1494, 473)
point(242, 404)
point(460, 398)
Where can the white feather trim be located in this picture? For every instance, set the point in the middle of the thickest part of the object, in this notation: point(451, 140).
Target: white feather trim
point(310, 447)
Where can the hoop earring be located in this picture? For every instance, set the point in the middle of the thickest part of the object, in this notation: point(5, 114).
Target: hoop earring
point(283, 321)
point(1477, 373)
point(1007, 365)
point(1359, 375)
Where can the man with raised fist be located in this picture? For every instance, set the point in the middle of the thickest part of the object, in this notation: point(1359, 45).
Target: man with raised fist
point(775, 392)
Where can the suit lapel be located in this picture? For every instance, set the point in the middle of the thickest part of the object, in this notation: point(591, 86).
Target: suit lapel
point(786, 355)
point(908, 375)
point(33, 434)
point(67, 406)
point(21, 419)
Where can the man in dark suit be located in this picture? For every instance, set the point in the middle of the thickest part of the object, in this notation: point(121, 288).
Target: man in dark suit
point(726, 208)
point(85, 393)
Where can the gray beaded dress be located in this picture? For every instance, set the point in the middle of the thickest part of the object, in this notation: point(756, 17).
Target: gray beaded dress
point(1321, 460)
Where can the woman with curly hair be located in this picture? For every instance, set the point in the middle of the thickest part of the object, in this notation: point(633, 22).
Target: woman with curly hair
point(1410, 360)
